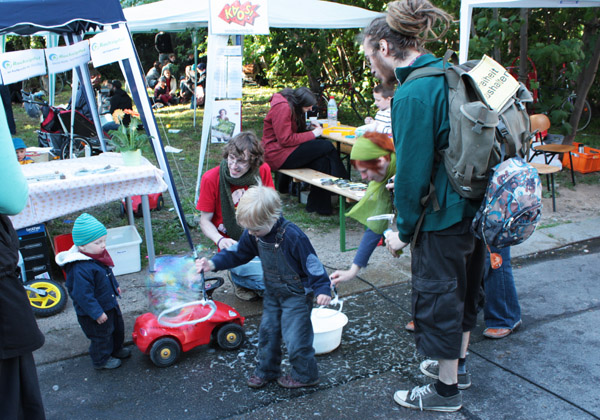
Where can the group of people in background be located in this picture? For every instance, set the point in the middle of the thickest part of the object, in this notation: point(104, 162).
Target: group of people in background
point(171, 88)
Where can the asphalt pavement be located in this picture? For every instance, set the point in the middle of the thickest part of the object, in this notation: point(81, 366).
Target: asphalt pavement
point(548, 369)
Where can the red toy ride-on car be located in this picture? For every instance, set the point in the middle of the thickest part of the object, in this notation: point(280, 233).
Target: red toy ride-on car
point(193, 324)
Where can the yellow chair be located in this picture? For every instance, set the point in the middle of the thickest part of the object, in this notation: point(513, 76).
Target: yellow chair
point(540, 124)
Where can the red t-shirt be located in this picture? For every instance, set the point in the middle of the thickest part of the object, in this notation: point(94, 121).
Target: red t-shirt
point(210, 197)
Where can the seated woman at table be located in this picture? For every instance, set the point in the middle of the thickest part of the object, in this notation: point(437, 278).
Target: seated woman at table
point(374, 158)
point(289, 144)
point(221, 189)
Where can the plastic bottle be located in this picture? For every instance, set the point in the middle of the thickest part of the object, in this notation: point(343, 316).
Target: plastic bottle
point(332, 110)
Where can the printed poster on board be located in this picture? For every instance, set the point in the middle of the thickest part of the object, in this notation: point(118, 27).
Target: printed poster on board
point(60, 59)
point(239, 17)
point(495, 82)
point(22, 65)
point(110, 46)
point(226, 120)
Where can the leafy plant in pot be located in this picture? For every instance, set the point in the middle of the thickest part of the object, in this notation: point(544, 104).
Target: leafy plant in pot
point(129, 141)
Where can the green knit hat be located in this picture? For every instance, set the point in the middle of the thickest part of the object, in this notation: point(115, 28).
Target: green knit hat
point(87, 229)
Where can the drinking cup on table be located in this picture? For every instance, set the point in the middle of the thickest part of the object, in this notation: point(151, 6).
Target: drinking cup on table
point(313, 121)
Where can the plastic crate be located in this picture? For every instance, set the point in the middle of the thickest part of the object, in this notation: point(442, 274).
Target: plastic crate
point(123, 245)
point(586, 162)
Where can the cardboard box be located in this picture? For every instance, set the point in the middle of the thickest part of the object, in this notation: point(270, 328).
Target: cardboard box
point(123, 245)
point(39, 154)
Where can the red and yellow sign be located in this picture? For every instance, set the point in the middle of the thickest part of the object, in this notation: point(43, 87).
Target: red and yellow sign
point(239, 13)
point(245, 17)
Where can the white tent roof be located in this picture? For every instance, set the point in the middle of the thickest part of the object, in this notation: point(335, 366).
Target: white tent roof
point(178, 15)
point(466, 11)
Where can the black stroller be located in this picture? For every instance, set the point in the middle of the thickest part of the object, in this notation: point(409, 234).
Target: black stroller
point(55, 130)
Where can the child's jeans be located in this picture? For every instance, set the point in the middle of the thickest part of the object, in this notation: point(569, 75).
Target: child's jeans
point(106, 338)
point(286, 313)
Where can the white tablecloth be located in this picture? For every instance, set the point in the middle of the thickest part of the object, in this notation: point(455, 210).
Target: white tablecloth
point(49, 199)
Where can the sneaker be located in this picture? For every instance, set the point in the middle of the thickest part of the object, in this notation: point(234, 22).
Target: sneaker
point(410, 326)
point(427, 398)
point(123, 353)
point(257, 382)
point(111, 363)
point(431, 369)
point(244, 294)
point(288, 382)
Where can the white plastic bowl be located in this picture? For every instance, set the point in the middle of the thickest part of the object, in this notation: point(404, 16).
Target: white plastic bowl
point(328, 325)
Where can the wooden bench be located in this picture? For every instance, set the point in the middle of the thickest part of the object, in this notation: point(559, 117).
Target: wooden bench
point(312, 177)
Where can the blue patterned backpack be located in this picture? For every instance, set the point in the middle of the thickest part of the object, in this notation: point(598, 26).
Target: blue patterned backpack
point(512, 206)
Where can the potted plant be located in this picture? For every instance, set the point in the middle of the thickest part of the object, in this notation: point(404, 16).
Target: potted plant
point(129, 141)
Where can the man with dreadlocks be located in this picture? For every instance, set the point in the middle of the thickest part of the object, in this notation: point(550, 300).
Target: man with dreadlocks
point(447, 260)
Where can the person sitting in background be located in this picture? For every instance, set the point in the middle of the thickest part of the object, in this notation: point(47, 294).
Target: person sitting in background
point(119, 99)
point(194, 82)
point(21, 150)
point(162, 94)
point(153, 75)
point(382, 123)
point(290, 144)
point(221, 189)
point(374, 157)
point(171, 82)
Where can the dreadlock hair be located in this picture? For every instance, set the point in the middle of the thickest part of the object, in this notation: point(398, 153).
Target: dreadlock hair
point(408, 24)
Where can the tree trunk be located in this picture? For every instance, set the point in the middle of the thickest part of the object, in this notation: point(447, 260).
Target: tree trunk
point(586, 78)
point(524, 52)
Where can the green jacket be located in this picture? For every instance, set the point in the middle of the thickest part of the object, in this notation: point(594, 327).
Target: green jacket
point(421, 125)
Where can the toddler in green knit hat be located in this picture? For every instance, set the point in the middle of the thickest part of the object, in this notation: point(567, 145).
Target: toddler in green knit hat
point(94, 291)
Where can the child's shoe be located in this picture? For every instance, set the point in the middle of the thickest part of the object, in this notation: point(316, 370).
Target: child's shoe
point(123, 353)
point(256, 381)
point(111, 363)
point(288, 382)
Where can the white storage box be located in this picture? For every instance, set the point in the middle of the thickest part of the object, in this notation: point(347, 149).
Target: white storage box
point(123, 245)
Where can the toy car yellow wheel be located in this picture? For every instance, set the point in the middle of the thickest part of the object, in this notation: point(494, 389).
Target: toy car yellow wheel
point(46, 297)
point(230, 336)
point(165, 352)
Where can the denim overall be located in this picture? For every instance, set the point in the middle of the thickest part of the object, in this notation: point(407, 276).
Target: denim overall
point(286, 312)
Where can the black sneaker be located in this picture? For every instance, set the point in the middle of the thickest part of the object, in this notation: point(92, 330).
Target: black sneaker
point(427, 398)
point(431, 369)
point(111, 363)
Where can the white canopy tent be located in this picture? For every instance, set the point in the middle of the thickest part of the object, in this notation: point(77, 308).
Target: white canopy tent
point(466, 11)
point(178, 15)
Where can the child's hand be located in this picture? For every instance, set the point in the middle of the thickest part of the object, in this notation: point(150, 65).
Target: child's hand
point(205, 265)
point(102, 319)
point(368, 120)
point(323, 300)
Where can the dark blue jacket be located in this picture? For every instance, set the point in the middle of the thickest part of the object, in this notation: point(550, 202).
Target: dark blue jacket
point(299, 254)
point(91, 284)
